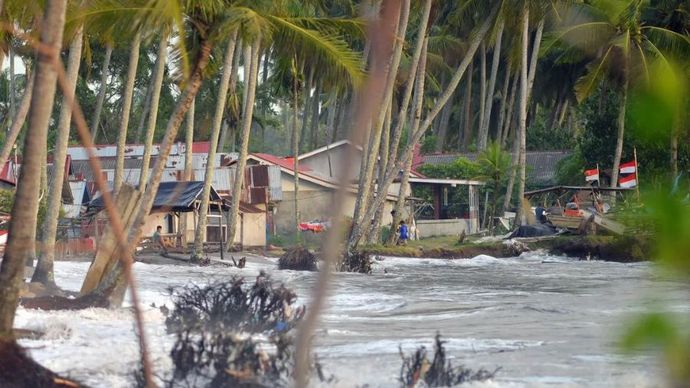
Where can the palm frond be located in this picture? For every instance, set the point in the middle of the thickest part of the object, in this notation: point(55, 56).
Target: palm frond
point(586, 85)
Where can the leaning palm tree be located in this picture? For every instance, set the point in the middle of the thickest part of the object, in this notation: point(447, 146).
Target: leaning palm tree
point(24, 211)
point(44, 268)
point(620, 46)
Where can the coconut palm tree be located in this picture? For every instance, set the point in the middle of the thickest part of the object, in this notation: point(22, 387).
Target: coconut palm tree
point(22, 228)
point(200, 233)
point(620, 46)
point(102, 90)
point(44, 267)
point(18, 119)
point(126, 108)
point(406, 155)
point(159, 73)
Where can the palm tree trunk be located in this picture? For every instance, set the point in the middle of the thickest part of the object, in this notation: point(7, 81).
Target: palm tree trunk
point(443, 125)
point(305, 109)
point(621, 132)
point(18, 120)
point(504, 106)
point(22, 229)
point(409, 87)
point(486, 119)
point(295, 153)
point(13, 83)
point(315, 115)
point(126, 108)
point(101, 92)
point(369, 157)
point(515, 159)
point(509, 115)
point(252, 55)
point(155, 98)
point(145, 111)
point(375, 231)
point(482, 89)
point(467, 128)
point(391, 173)
point(114, 283)
point(187, 174)
point(232, 92)
point(200, 233)
point(44, 267)
point(522, 131)
point(418, 105)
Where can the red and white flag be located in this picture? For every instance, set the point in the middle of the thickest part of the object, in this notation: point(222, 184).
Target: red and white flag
point(628, 181)
point(628, 168)
point(592, 175)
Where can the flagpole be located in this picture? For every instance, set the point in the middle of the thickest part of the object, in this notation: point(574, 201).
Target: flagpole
point(598, 176)
point(637, 174)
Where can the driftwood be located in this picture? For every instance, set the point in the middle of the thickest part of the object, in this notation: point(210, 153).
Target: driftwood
point(18, 370)
point(55, 302)
point(299, 259)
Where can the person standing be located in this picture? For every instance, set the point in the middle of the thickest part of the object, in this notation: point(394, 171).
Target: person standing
point(158, 240)
point(403, 233)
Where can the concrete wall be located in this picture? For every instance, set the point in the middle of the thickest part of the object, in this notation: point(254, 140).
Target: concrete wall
point(454, 227)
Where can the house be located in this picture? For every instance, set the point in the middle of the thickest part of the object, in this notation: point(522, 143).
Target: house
point(541, 165)
point(177, 200)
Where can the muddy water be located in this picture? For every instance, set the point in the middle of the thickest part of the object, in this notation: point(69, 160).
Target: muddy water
point(546, 321)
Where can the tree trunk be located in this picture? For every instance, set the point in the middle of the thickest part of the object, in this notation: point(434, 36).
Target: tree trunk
point(145, 112)
point(482, 88)
point(126, 108)
point(522, 131)
point(488, 106)
point(13, 83)
point(155, 98)
point(409, 87)
point(200, 233)
point(315, 115)
point(22, 229)
point(114, 284)
point(515, 159)
point(509, 114)
point(503, 107)
point(443, 125)
point(101, 92)
point(252, 53)
point(621, 131)
point(187, 174)
point(375, 231)
point(369, 157)
point(467, 128)
point(44, 267)
point(295, 153)
point(305, 109)
point(17, 121)
point(232, 89)
point(405, 181)
point(357, 231)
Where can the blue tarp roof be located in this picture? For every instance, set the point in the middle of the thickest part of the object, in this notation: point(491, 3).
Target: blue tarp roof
point(175, 196)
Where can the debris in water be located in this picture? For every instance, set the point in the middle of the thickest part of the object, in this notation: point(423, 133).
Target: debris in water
point(299, 259)
point(17, 369)
point(439, 372)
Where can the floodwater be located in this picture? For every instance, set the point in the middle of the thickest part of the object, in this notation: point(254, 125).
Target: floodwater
point(544, 320)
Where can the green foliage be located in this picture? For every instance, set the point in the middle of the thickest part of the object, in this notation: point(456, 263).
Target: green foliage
point(542, 136)
point(461, 168)
point(428, 144)
point(7, 201)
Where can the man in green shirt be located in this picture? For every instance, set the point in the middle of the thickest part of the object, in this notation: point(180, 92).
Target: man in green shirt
point(158, 240)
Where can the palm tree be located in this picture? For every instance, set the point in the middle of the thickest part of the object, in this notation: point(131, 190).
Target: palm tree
point(406, 155)
point(22, 229)
point(18, 119)
point(488, 105)
point(44, 268)
point(493, 162)
point(251, 61)
point(200, 233)
point(187, 174)
point(126, 108)
point(102, 90)
point(621, 48)
point(157, 84)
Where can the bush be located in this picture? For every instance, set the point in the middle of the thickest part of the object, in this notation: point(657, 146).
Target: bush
point(299, 259)
point(439, 372)
point(213, 326)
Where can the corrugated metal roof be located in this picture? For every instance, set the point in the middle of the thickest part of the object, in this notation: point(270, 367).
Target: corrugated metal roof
point(541, 165)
